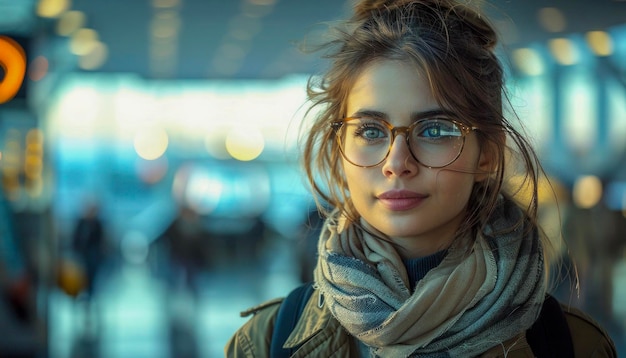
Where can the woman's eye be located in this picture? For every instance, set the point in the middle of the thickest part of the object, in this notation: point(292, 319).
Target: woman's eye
point(434, 131)
point(438, 129)
point(372, 132)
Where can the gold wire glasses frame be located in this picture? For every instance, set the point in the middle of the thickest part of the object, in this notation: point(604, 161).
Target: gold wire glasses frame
point(448, 145)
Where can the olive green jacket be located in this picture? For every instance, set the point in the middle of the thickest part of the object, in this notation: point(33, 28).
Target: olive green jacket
point(321, 335)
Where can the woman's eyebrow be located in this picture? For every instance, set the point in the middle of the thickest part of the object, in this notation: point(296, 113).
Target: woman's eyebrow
point(369, 113)
point(439, 112)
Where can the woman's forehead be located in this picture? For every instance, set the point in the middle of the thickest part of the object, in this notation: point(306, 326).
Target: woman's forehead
point(390, 87)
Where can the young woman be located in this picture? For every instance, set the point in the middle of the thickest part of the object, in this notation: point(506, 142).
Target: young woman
point(425, 252)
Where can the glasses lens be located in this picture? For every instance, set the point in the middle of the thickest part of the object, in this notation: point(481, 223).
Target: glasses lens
point(364, 141)
point(436, 142)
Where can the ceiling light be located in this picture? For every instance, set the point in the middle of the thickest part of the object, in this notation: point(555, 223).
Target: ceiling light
point(552, 19)
point(165, 3)
point(528, 61)
point(255, 10)
point(95, 58)
point(52, 8)
point(587, 191)
point(165, 24)
point(83, 41)
point(600, 43)
point(70, 22)
point(151, 143)
point(564, 51)
point(245, 144)
point(262, 2)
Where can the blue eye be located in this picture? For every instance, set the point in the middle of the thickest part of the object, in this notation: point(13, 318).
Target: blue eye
point(437, 129)
point(432, 132)
point(368, 130)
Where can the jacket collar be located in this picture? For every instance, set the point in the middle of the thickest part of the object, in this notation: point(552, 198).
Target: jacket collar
point(315, 318)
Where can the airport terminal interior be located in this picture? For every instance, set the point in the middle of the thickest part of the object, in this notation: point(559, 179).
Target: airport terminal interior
point(169, 130)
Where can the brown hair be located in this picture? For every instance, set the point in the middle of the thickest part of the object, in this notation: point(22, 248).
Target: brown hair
point(453, 45)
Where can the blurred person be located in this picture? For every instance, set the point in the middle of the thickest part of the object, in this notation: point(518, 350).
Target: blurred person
point(17, 292)
point(426, 251)
point(185, 247)
point(89, 244)
point(81, 275)
point(185, 244)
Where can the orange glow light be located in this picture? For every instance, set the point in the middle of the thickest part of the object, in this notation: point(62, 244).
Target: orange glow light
point(13, 61)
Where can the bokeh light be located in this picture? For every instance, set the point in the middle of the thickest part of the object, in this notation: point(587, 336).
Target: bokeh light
point(151, 143)
point(587, 191)
point(245, 144)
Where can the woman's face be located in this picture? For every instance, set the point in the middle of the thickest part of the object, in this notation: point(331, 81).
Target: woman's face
point(418, 208)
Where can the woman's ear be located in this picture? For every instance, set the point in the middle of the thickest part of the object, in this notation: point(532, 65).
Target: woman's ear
point(487, 161)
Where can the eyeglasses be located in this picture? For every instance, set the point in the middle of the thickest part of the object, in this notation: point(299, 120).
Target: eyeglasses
point(433, 142)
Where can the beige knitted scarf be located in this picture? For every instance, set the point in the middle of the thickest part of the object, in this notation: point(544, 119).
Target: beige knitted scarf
point(485, 291)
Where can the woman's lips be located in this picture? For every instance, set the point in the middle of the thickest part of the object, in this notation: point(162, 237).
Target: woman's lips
point(400, 200)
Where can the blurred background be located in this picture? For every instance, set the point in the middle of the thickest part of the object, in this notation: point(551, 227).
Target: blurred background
point(150, 186)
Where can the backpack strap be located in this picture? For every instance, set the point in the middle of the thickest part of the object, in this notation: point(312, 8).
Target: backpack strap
point(550, 335)
point(288, 315)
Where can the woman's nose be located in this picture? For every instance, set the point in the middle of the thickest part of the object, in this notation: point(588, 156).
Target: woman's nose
point(400, 162)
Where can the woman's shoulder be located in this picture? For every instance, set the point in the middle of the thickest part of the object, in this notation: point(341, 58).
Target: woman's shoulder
point(590, 339)
point(253, 338)
point(304, 324)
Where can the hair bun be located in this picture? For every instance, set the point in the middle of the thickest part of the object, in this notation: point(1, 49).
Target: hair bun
point(461, 13)
point(364, 8)
point(483, 32)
